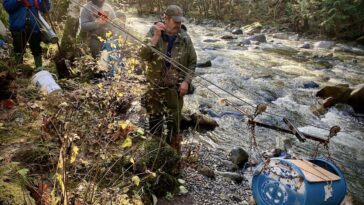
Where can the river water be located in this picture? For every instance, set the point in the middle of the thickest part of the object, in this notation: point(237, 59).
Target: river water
point(260, 74)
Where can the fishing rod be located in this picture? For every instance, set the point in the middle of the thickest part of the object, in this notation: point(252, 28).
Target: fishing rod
point(176, 64)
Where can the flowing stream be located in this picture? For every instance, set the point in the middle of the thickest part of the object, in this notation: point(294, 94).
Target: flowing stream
point(274, 73)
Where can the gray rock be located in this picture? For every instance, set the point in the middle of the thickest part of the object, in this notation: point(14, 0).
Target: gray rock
point(206, 171)
point(231, 175)
point(230, 166)
point(324, 44)
point(310, 85)
point(237, 31)
point(245, 42)
point(294, 37)
point(358, 51)
point(238, 156)
point(253, 28)
point(211, 40)
point(210, 34)
point(279, 48)
point(343, 94)
point(301, 57)
point(228, 37)
point(342, 48)
point(212, 47)
point(305, 46)
point(258, 37)
point(283, 36)
point(204, 64)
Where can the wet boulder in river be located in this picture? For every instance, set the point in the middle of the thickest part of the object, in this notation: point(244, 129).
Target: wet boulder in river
point(343, 94)
point(310, 85)
point(305, 46)
point(283, 36)
point(324, 44)
point(245, 42)
point(199, 122)
point(211, 40)
point(253, 28)
point(258, 37)
point(228, 37)
point(237, 31)
point(356, 99)
point(204, 64)
point(279, 48)
point(341, 91)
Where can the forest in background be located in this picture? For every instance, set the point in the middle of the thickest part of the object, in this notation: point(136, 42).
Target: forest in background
point(340, 19)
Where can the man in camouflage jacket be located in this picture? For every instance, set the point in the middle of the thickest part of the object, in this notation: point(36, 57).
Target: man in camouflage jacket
point(168, 84)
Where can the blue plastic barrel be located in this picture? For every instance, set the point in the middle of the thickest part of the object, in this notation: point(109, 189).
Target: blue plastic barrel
point(281, 182)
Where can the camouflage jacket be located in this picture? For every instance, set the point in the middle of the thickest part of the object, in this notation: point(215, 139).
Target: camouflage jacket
point(183, 52)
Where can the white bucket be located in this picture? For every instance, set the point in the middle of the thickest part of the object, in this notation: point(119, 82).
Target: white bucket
point(45, 81)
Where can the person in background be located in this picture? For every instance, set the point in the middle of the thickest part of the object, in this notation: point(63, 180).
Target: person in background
point(94, 18)
point(24, 27)
point(167, 85)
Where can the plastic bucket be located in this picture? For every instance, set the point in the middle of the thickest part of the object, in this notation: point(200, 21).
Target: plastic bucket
point(45, 81)
point(301, 182)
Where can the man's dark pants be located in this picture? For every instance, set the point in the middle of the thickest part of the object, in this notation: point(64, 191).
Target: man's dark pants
point(20, 39)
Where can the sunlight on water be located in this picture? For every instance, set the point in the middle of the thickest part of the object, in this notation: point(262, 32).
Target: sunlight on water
point(263, 75)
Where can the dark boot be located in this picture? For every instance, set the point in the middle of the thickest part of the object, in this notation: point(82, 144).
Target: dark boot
point(18, 58)
point(38, 62)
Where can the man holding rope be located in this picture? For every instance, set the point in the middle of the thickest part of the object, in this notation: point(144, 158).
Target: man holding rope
point(93, 22)
point(24, 27)
point(167, 83)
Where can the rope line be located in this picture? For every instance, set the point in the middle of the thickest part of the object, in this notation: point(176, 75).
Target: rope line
point(184, 69)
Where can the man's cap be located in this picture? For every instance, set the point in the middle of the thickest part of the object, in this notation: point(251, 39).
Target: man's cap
point(175, 12)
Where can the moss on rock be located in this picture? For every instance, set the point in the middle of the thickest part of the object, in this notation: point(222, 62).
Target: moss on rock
point(14, 194)
point(12, 191)
point(157, 154)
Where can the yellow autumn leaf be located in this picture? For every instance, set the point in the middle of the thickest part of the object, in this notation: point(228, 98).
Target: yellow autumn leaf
point(74, 154)
point(120, 94)
point(60, 163)
point(132, 160)
point(121, 41)
point(60, 181)
point(153, 174)
point(108, 34)
point(100, 86)
point(135, 180)
point(101, 39)
point(127, 143)
point(124, 124)
point(112, 45)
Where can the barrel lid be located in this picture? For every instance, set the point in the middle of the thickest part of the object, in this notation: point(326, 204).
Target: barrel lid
point(314, 173)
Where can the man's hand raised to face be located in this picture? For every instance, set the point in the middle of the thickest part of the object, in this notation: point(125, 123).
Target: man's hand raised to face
point(158, 28)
